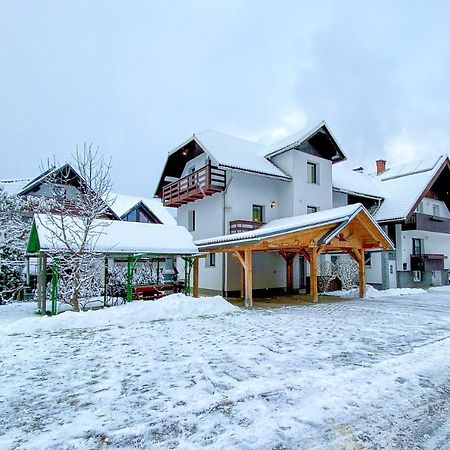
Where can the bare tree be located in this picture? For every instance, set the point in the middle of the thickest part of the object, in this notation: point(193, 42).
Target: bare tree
point(75, 218)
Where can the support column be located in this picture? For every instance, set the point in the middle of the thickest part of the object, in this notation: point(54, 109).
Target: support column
point(248, 278)
point(289, 258)
point(195, 281)
point(313, 255)
point(129, 280)
point(362, 273)
point(43, 285)
point(242, 282)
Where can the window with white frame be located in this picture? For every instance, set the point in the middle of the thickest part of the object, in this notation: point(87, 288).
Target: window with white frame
point(312, 172)
point(191, 220)
point(211, 260)
point(368, 259)
point(417, 276)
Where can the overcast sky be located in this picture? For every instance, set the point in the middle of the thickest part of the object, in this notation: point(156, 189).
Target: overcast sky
point(137, 78)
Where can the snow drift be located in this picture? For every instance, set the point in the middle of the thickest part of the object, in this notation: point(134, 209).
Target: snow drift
point(371, 292)
point(175, 306)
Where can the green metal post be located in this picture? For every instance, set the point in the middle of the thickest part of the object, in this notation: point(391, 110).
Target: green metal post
point(187, 275)
point(129, 280)
point(55, 277)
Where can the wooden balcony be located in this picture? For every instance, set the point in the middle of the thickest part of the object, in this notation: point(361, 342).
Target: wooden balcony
point(426, 222)
point(239, 226)
point(427, 262)
point(203, 182)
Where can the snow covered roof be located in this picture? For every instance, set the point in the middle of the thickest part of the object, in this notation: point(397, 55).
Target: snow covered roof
point(116, 237)
point(292, 224)
point(13, 187)
point(295, 139)
point(236, 153)
point(406, 184)
point(122, 204)
point(352, 182)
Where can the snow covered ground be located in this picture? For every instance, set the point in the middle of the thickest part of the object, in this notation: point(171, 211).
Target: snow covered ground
point(358, 374)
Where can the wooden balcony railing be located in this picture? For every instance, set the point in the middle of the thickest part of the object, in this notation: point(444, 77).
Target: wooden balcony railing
point(427, 262)
point(427, 222)
point(203, 182)
point(239, 226)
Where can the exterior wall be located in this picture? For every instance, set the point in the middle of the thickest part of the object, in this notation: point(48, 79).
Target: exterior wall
point(339, 199)
point(426, 206)
point(197, 163)
point(374, 273)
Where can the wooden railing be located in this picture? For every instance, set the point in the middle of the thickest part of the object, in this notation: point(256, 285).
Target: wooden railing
point(239, 226)
point(203, 182)
point(427, 262)
point(427, 222)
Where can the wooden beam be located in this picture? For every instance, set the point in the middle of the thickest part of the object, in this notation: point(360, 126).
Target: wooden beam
point(241, 257)
point(248, 278)
point(362, 273)
point(305, 254)
point(195, 281)
point(313, 274)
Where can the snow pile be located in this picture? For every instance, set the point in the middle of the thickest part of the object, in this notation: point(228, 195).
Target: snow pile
point(175, 306)
point(440, 289)
point(371, 292)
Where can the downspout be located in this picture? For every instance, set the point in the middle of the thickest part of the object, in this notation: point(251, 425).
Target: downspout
point(224, 231)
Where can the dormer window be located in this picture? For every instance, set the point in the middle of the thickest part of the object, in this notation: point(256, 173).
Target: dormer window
point(312, 173)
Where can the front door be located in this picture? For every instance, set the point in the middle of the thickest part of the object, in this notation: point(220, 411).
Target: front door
point(392, 275)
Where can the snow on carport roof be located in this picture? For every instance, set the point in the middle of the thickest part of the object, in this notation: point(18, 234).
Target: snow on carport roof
point(236, 153)
point(290, 225)
point(119, 237)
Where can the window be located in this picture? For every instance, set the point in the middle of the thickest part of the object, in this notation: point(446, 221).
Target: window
point(435, 210)
point(368, 259)
point(211, 260)
point(417, 276)
point(258, 213)
point(334, 259)
point(312, 173)
point(417, 247)
point(311, 209)
point(191, 169)
point(191, 220)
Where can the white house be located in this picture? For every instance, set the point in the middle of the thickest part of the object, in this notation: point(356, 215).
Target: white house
point(223, 184)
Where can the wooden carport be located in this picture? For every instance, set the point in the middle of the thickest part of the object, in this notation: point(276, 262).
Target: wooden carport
point(349, 229)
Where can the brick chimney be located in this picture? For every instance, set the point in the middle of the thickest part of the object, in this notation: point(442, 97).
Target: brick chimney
point(381, 166)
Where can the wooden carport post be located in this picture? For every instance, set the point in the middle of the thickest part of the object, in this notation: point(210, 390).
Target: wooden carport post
point(289, 258)
point(246, 259)
point(358, 255)
point(313, 256)
point(195, 280)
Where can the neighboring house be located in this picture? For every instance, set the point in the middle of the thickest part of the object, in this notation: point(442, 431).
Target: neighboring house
point(413, 207)
point(138, 209)
point(222, 184)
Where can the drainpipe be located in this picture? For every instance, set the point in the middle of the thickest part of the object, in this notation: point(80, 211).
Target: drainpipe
point(224, 231)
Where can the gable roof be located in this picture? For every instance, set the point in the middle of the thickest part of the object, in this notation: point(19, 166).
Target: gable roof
point(116, 237)
point(236, 153)
point(53, 171)
point(123, 204)
point(13, 187)
point(300, 137)
point(337, 216)
point(407, 185)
